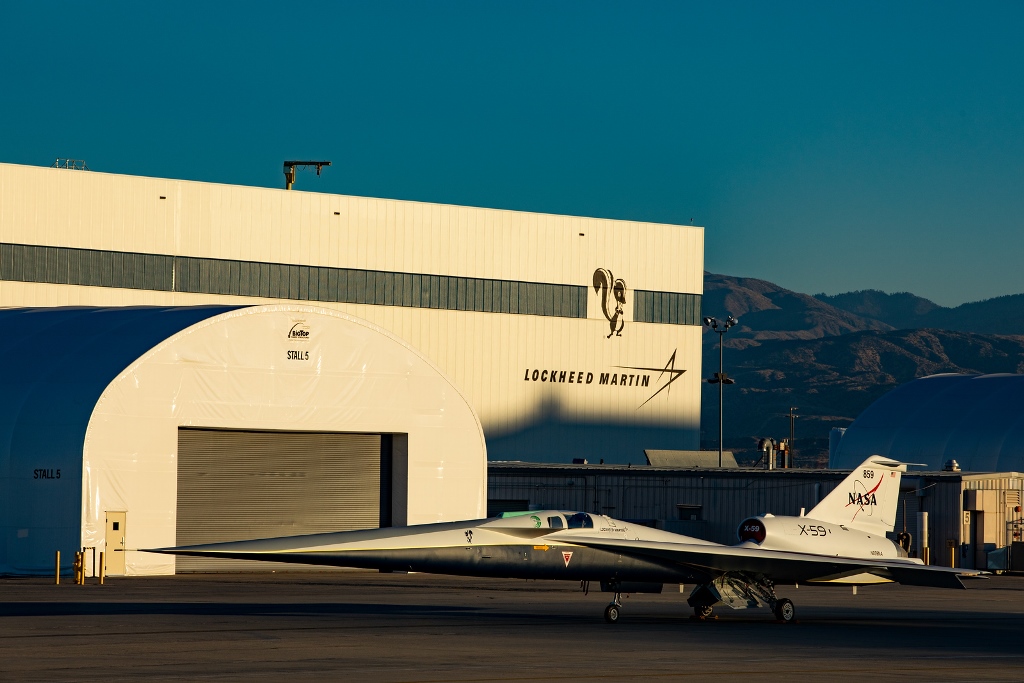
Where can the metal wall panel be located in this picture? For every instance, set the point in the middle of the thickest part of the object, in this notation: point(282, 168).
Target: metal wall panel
point(154, 215)
point(238, 485)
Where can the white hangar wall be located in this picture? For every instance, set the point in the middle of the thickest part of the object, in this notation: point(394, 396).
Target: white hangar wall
point(488, 295)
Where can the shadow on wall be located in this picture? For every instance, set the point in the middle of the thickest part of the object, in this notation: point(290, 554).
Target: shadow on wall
point(550, 437)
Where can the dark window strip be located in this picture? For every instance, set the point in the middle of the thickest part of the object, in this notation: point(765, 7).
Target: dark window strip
point(89, 267)
point(672, 308)
point(95, 268)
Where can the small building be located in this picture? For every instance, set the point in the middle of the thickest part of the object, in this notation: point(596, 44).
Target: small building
point(138, 427)
point(687, 459)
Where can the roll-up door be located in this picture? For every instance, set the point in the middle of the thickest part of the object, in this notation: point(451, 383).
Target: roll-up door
point(238, 485)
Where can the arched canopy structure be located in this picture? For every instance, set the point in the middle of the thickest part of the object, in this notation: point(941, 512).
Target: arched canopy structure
point(92, 401)
point(977, 420)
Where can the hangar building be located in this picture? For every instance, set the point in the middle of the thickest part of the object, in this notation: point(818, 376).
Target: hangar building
point(553, 337)
point(570, 337)
point(138, 427)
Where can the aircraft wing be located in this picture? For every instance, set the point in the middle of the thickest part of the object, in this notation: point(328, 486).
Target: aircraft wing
point(780, 566)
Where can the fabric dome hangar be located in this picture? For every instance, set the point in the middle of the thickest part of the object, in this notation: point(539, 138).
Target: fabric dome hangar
point(977, 420)
point(136, 427)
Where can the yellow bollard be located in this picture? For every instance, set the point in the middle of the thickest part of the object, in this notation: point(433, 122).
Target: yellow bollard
point(103, 568)
point(56, 573)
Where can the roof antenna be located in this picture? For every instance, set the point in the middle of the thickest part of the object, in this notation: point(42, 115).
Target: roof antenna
point(290, 166)
point(74, 164)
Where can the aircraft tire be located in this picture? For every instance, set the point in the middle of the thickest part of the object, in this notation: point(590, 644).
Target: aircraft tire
point(611, 613)
point(785, 611)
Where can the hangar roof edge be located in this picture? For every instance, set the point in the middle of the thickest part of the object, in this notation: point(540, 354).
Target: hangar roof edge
point(349, 196)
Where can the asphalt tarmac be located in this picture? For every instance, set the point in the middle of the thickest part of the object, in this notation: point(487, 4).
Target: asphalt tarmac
point(394, 627)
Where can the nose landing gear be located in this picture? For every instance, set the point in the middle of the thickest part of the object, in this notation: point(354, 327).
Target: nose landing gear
point(611, 612)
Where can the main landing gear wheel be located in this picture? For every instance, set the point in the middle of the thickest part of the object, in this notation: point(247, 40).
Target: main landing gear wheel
point(784, 610)
point(611, 613)
point(703, 611)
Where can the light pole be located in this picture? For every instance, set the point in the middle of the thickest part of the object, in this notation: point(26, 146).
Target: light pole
point(792, 435)
point(720, 378)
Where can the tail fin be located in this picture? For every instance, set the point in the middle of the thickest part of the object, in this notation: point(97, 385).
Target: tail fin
point(866, 500)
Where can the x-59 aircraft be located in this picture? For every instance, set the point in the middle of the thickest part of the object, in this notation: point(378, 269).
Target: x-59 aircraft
point(841, 541)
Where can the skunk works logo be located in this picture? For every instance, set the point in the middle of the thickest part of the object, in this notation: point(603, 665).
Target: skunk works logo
point(613, 298)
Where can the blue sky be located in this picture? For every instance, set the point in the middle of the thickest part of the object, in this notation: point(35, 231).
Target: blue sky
point(824, 146)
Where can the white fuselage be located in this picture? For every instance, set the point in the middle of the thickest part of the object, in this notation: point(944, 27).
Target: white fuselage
point(807, 535)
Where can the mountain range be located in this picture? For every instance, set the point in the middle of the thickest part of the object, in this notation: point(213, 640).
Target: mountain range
point(903, 310)
point(832, 356)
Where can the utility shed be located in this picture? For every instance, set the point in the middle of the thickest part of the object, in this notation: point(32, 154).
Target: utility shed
point(140, 427)
point(972, 517)
point(687, 459)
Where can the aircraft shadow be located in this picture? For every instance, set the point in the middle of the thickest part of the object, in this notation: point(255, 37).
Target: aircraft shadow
point(61, 609)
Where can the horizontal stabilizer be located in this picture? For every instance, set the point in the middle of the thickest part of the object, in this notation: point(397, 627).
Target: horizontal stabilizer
point(783, 565)
point(924, 577)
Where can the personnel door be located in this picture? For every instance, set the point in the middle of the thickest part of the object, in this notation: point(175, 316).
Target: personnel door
point(113, 557)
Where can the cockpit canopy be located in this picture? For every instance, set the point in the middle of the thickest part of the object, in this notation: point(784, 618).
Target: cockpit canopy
point(580, 520)
point(547, 519)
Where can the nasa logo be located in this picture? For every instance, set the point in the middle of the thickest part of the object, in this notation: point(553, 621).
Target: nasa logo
point(863, 499)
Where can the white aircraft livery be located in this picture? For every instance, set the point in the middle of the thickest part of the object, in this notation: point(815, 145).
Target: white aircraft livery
point(840, 541)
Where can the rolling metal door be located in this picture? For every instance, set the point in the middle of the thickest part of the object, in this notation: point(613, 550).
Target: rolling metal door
point(237, 485)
